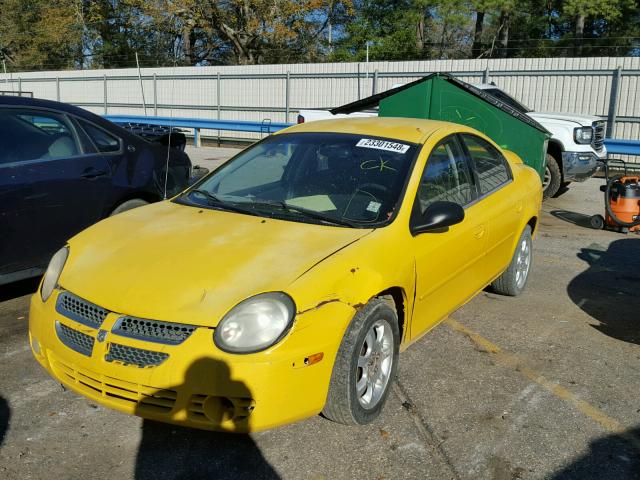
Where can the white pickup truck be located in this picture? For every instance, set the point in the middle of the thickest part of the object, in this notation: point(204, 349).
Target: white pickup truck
point(575, 146)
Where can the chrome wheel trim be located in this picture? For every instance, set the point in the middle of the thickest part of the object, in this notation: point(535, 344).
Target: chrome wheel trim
point(547, 178)
point(375, 362)
point(523, 262)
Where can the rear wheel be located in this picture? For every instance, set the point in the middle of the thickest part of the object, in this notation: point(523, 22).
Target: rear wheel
point(514, 278)
point(128, 205)
point(365, 365)
point(552, 178)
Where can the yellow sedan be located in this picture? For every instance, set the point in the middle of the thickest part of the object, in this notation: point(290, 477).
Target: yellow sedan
point(285, 282)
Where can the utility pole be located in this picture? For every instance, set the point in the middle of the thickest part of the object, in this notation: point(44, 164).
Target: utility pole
point(144, 104)
point(6, 78)
point(366, 73)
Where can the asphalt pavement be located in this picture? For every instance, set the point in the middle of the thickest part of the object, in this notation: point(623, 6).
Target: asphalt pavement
point(540, 386)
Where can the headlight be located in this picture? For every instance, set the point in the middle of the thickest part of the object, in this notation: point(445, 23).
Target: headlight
point(583, 134)
point(53, 272)
point(255, 323)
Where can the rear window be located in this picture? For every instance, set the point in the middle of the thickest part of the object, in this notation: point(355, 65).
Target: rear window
point(489, 163)
point(105, 142)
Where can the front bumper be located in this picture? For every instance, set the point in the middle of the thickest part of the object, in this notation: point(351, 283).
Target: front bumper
point(579, 166)
point(192, 383)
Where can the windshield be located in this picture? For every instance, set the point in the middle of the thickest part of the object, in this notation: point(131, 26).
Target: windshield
point(340, 179)
point(508, 99)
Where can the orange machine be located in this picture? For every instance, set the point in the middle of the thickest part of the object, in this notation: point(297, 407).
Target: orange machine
point(621, 201)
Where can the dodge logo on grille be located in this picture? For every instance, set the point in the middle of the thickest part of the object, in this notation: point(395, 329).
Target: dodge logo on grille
point(102, 334)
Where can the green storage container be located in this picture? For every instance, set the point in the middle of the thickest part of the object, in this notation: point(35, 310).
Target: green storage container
point(441, 97)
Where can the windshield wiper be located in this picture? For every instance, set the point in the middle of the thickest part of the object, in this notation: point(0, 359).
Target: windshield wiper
point(214, 200)
point(307, 213)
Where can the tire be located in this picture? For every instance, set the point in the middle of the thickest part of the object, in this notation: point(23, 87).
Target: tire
point(596, 222)
point(514, 278)
point(373, 333)
point(553, 178)
point(128, 205)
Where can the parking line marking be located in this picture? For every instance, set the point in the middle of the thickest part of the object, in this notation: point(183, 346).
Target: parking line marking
point(510, 360)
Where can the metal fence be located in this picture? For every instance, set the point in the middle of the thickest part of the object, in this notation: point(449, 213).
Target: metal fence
point(607, 87)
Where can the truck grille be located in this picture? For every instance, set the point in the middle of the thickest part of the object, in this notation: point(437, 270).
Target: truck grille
point(80, 310)
point(135, 356)
point(153, 330)
point(598, 135)
point(75, 340)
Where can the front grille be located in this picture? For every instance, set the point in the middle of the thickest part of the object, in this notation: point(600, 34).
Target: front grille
point(598, 135)
point(75, 340)
point(153, 330)
point(136, 398)
point(135, 356)
point(80, 310)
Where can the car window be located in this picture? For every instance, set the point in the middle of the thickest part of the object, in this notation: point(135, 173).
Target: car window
point(247, 176)
point(446, 177)
point(508, 99)
point(32, 135)
point(105, 142)
point(489, 164)
point(87, 144)
point(343, 178)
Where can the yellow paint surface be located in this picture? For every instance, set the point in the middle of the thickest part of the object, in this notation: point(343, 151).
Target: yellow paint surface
point(189, 265)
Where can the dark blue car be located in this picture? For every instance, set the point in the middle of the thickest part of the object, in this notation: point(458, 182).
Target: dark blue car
point(63, 168)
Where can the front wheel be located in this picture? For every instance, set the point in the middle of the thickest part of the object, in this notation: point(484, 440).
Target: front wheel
point(514, 278)
point(552, 178)
point(365, 365)
point(128, 205)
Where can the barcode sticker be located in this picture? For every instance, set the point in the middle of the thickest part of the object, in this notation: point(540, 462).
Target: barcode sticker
point(382, 145)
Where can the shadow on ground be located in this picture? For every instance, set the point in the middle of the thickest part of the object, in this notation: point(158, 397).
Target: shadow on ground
point(609, 290)
point(575, 218)
point(5, 414)
point(19, 289)
point(614, 457)
point(169, 452)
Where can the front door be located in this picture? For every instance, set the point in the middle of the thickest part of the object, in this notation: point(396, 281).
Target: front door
point(448, 263)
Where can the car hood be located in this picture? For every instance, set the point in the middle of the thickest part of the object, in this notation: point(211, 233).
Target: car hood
point(574, 119)
point(191, 265)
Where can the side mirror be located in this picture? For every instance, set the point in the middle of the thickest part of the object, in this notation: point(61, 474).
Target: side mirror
point(438, 215)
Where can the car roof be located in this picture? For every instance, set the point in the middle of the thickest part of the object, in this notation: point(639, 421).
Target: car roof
point(17, 101)
point(412, 130)
point(40, 103)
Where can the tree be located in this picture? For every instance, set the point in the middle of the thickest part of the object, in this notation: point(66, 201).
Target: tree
point(600, 13)
point(38, 34)
point(394, 29)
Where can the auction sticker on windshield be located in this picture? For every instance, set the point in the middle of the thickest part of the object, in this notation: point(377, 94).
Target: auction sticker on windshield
point(382, 145)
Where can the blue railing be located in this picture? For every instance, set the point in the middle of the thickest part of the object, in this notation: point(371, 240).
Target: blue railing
point(265, 127)
point(622, 147)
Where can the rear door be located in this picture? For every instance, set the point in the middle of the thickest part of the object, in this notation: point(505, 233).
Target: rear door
point(52, 185)
point(500, 200)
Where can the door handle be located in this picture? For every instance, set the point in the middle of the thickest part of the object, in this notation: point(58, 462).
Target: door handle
point(479, 231)
point(93, 174)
